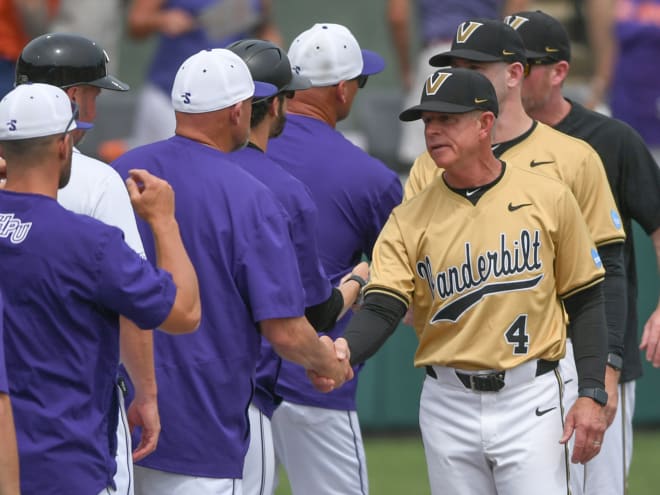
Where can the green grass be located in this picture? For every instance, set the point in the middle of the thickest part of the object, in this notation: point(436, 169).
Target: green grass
point(396, 465)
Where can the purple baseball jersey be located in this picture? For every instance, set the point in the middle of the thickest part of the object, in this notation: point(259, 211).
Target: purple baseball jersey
point(171, 51)
point(635, 93)
point(354, 194)
point(237, 236)
point(438, 19)
point(66, 278)
point(294, 196)
point(4, 386)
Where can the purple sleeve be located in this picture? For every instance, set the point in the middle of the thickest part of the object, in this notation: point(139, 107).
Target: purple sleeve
point(130, 285)
point(380, 211)
point(268, 275)
point(4, 386)
point(314, 279)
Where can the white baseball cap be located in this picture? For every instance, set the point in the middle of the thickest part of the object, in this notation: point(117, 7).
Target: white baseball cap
point(215, 79)
point(36, 110)
point(329, 53)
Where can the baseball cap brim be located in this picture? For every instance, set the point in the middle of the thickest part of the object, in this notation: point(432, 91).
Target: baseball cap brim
point(263, 89)
point(415, 113)
point(82, 125)
point(531, 55)
point(297, 82)
point(110, 82)
point(444, 59)
point(372, 63)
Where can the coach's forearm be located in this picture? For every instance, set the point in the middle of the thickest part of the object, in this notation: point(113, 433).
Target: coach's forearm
point(587, 315)
point(295, 340)
point(372, 325)
point(9, 474)
point(615, 292)
point(171, 255)
point(137, 356)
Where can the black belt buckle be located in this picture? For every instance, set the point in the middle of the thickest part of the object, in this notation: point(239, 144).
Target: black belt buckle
point(492, 382)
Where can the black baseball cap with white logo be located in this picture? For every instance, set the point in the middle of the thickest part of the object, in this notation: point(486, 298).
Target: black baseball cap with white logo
point(544, 37)
point(483, 40)
point(454, 90)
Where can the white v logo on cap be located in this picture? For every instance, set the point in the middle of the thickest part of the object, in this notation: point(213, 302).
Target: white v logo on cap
point(434, 82)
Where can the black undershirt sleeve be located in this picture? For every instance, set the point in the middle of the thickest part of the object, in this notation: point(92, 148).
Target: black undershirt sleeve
point(586, 312)
point(323, 316)
point(372, 325)
point(616, 297)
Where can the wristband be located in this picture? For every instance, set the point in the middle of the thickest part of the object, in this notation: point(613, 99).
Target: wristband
point(615, 361)
point(597, 394)
point(356, 278)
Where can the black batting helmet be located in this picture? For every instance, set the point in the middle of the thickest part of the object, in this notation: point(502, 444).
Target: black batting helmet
point(269, 63)
point(65, 60)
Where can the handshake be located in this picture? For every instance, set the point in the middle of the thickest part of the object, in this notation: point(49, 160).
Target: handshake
point(339, 369)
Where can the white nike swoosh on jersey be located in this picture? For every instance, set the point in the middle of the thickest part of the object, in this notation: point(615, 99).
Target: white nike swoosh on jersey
point(470, 193)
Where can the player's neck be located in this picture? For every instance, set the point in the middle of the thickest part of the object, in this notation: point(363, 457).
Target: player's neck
point(511, 122)
point(315, 103)
point(474, 172)
point(553, 112)
point(33, 180)
point(259, 135)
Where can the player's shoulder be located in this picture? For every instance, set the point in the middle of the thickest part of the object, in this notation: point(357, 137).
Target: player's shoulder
point(560, 141)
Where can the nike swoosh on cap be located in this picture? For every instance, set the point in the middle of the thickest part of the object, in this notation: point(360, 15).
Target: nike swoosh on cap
point(480, 100)
point(551, 50)
point(506, 52)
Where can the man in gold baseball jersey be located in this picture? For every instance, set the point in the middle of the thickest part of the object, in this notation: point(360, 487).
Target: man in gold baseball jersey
point(496, 50)
point(488, 256)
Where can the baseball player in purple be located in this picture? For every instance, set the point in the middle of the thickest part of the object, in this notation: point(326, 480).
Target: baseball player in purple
point(239, 242)
point(66, 279)
point(323, 303)
point(354, 194)
point(9, 483)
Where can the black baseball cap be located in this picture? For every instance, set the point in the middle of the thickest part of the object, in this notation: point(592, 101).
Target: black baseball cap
point(454, 90)
point(544, 36)
point(483, 40)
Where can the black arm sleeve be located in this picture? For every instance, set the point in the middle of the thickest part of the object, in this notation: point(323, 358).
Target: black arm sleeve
point(585, 309)
point(616, 297)
point(323, 316)
point(372, 325)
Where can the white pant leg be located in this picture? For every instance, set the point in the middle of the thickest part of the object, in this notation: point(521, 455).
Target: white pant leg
point(154, 118)
point(569, 374)
point(607, 473)
point(124, 458)
point(411, 141)
point(259, 466)
point(155, 482)
point(321, 450)
point(490, 443)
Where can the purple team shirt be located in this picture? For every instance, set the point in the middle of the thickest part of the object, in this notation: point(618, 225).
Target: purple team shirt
point(4, 387)
point(237, 237)
point(171, 51)
point(301, 210)
point(354, 194)
point(66, 278)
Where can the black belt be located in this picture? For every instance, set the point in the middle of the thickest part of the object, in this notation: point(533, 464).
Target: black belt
point(493, 382)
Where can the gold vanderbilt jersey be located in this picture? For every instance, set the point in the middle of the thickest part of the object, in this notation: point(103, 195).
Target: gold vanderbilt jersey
point(485, 281)
point(557, 155)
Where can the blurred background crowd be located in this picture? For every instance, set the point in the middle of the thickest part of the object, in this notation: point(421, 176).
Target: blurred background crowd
point(614, 44)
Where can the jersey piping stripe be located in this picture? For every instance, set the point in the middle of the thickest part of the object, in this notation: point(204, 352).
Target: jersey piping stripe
point(387, 291)
point(357, 452)
point(622, 402)
point(582, 287)
point(567, 465)
point(611, 240)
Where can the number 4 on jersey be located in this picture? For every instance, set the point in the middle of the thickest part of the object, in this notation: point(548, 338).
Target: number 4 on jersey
point(516, 335)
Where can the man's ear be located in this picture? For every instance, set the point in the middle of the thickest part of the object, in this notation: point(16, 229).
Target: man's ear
point(341, 91)
point(560, 72)
point(235, 112)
